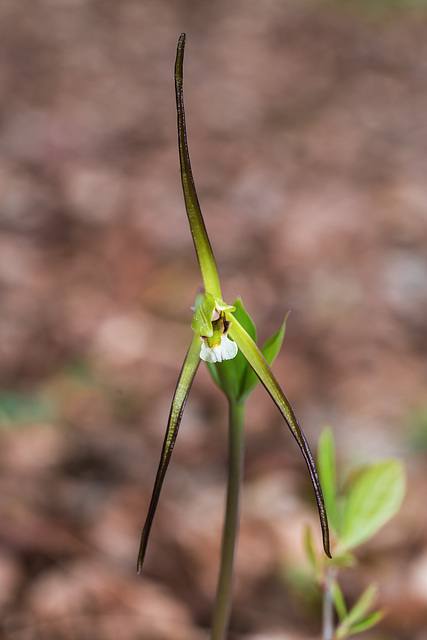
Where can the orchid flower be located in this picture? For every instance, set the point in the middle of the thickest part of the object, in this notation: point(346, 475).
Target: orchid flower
point(225, 338)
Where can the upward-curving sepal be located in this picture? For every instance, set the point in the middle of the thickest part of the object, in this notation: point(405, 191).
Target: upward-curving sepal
point(198, 230)
point(186, 377)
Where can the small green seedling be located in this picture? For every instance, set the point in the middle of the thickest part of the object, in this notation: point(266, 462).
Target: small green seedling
point(357, 508)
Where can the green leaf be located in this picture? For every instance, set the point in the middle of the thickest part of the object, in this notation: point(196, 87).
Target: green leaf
point(362, 605)
point(344, 559)
point(339, 601)
point(368, 622)
point(273, 345)
point(224, 375)
point(17, 407)
point(195, 218)
point(240, 364)
point(327, 474)
point(213, 370)
point(357, 619)
point(305, 591)
point(243, 317)
point(257, 361)
point(309, 548)
point(269, 351)
point(185, 380)
point(373, 498)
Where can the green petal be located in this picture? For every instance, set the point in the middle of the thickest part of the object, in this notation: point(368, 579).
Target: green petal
point(182, 390)
point(197, 225)
point(263, 371)
point(202, 320)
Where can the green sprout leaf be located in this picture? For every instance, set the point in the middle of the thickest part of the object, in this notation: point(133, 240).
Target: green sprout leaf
point(370, 621)
point(373, 498)
point(339, 602)
point(327, 474)
point(357, 618)
point(183, 387)
point(309, 548)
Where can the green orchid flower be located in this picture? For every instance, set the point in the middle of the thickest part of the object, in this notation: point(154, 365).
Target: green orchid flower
point(224, 337)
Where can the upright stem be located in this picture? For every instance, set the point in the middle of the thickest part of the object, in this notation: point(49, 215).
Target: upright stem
point(328, 605)
point(231, 524)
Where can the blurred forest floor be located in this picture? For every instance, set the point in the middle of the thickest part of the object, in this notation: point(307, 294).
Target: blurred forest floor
point(307, 127)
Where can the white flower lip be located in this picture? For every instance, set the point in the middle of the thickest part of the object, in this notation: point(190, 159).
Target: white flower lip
point(226, 350)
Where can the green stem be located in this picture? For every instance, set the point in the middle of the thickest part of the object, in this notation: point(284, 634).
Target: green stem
point(231, 523)
point(328, 605)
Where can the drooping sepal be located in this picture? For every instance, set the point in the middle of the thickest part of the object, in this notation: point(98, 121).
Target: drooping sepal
point(259, 364)
point(185, 380)
point(270, 350)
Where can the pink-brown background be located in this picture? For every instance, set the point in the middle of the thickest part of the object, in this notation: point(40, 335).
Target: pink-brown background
point(307, 126)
